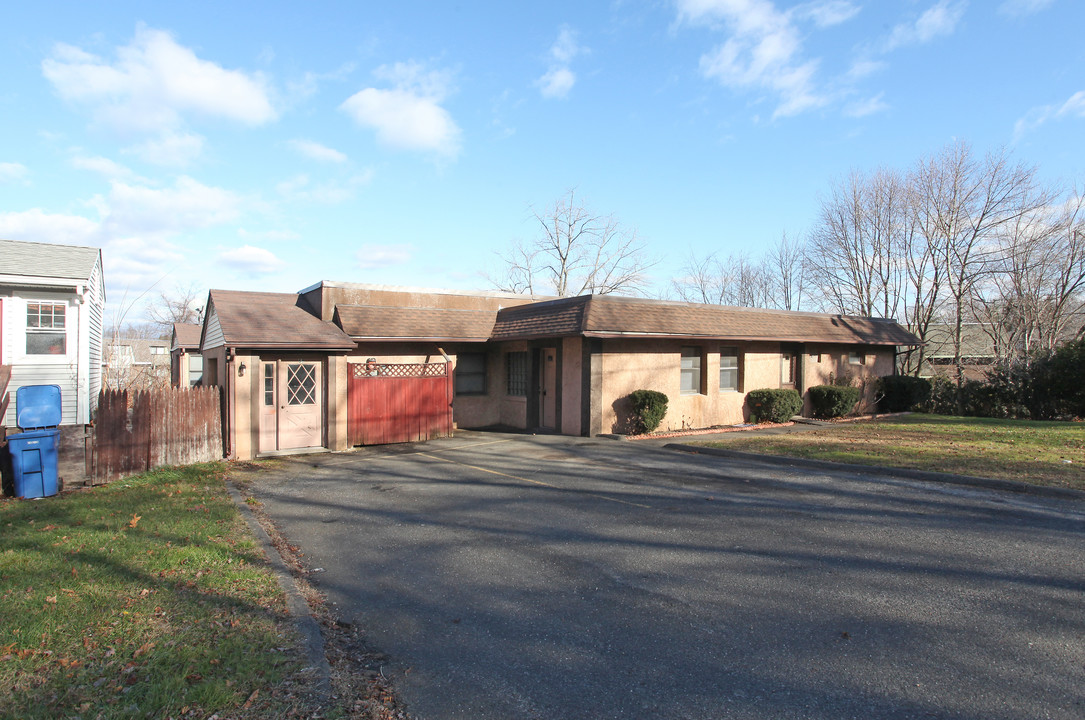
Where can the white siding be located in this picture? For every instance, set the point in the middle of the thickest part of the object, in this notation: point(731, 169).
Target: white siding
point(213, 337)
point(95, 309)
point(42, 369)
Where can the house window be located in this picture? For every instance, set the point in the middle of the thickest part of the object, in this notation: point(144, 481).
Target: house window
point(300, 384)
point(691, 370)
point(45, 329)
point(787, 369)
point(516, 374)
point(195, 370)
point(856, 358)
point(158, 350)
point(269, 384)
point(729, 369)
point(471, 374)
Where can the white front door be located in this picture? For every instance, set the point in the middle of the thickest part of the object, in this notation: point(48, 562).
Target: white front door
point(291, 406)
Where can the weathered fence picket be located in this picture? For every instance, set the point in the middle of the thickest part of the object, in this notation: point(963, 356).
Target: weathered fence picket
point(146, 429)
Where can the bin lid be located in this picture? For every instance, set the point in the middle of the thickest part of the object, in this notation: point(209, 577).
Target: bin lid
point(37, 406)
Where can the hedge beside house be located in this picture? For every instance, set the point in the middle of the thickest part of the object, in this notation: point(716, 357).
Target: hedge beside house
point(773, 405)
point(833, 401)
point(649, 407)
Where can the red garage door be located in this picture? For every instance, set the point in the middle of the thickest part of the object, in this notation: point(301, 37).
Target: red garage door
point(394, 403)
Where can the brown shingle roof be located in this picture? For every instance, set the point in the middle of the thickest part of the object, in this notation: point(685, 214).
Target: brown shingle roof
point(414, 323)
point(273, 320)
point(609, 316)
point(186, 335)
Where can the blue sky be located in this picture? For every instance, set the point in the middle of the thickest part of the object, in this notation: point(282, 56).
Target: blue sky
point(271, 145)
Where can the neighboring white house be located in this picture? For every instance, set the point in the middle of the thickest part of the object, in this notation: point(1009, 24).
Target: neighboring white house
point(52, 299)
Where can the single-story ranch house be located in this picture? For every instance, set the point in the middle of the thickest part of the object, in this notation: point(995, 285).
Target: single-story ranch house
point(343, 364)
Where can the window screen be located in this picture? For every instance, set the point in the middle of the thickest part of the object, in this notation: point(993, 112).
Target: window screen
point(471, 374)
point(729, 368)
point(691, 370)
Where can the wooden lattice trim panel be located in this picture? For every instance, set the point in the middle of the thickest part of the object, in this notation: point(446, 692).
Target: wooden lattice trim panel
point(364, 370)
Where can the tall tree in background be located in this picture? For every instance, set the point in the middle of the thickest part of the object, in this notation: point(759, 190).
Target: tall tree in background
point(1036, 288)
point(785, 266)
point(774, 281)
point(183, 305)
point(964, 203)
point(859, 243)
point(576, 252)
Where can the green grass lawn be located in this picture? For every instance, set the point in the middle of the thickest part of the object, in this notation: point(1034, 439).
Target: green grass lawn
point(144, 598)
point(1042, 453)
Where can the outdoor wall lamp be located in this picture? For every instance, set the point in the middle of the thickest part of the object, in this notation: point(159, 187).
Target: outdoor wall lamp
point(241, 369)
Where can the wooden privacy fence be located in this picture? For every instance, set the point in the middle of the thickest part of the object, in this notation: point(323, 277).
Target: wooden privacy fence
point(398, 402)
point(141, 430)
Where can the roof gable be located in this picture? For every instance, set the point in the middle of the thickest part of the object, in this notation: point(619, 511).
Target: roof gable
point(270, 320)
point(48, 260)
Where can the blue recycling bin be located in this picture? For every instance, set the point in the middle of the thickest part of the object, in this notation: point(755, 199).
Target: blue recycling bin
point(34, 451)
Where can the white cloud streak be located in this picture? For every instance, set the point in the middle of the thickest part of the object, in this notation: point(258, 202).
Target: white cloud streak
point(12, 172)
point(1074, 107)
point(316, 151)
point(153, 83)
point(559, 79)
point(252, 260)
point(372, 257)
point(1022, 8)
point(939, 20)
point(408, 116)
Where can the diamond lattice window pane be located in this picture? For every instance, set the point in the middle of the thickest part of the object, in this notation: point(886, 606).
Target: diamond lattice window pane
point(301, 384)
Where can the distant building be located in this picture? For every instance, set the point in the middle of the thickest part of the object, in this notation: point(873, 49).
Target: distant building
point(136, 363)
point(186, 362)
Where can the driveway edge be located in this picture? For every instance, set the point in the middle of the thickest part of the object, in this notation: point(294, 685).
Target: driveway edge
point(295, 604)
point(908, 473)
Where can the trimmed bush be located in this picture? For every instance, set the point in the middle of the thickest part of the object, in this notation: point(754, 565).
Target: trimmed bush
point(649, 407)
point(832, 401)
point(902, 392)
point(773, 405)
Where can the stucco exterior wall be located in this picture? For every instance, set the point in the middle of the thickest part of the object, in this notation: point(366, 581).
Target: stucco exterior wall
point(826, 364)
point(629, 365)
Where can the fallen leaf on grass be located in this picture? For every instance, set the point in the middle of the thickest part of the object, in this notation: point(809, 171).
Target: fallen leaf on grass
point(248, 703)
point(51, 599)
point(134, 521)
point(143, 649)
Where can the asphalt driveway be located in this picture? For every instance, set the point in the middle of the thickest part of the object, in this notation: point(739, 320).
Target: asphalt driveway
point(515, 576)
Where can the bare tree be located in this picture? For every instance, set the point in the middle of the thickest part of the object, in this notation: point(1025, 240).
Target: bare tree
point(1036, 288)
point(964, 203)
point(577, 252)
point(183, 305)
point(785, 267)
point(737, 280)
point(857, 245)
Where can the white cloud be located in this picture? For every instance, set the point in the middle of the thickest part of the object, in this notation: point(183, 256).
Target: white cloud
point(154, 82)
point(828, 12)
point(105, 167)
point(251, 260)
point(938, 20)
point(763, 48)
point(36, 225)
point(1034, 118)
point(559, 79)
point(408, 116)
point(316, 151)
point(170, 149)
point(870, 106)
point(372, 257)
point(556, 83)
point(11, 172)
point(301, 189)
point(139, 210)
point(1021, 8)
